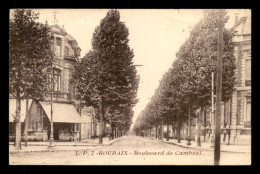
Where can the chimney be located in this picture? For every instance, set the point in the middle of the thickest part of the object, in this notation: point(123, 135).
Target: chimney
point(236, 18)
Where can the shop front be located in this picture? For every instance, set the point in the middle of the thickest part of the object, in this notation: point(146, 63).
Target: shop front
point(66, 121)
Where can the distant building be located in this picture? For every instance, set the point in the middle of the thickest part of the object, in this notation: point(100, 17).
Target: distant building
point(90, 125)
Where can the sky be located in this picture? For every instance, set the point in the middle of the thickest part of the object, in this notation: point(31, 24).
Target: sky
point(154, 35)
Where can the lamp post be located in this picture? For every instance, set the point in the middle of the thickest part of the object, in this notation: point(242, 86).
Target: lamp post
point(212, 111)
point(51, 145)
point(198, 126)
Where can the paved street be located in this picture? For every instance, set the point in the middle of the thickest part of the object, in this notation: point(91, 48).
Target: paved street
point(130, 150)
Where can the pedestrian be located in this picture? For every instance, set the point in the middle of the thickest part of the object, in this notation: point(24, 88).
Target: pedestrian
point(49, 133)
point(224, 131)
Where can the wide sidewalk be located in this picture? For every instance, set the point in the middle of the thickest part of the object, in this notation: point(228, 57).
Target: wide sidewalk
point(207, 146)
point(61, 146)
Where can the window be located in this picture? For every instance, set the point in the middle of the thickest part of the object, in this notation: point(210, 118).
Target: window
point(248, 73)
point(247, 121)
point(52, 43)
point(58, 47)
point(56, 80)
point(247, 36)
point(66, 52)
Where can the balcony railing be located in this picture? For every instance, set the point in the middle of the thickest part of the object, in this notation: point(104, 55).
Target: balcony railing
point(61, 96)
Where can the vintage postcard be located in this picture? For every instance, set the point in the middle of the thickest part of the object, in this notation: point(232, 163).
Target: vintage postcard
point(130, 87)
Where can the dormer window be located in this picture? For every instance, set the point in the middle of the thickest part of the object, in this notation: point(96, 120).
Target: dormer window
point(58, 47)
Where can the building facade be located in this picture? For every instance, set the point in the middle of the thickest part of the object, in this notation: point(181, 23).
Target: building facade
point(240, 129)
point(70, 121)
point(66, 119)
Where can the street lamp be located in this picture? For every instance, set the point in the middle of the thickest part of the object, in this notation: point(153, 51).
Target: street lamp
point(212, 111)
point(51, 145)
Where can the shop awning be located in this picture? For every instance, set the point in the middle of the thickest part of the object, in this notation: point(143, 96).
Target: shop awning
point(62, 113)
point(12, 109)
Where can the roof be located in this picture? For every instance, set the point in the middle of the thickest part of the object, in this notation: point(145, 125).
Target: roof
point(68, 36)
point(57, 28)
point(62, 113)
point(12, 109)
point(243, 26)
point(238, 23)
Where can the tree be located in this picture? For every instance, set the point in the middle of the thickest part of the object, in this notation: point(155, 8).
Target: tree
point(30, 57)
point(106, 75)
point(199, 55)
point(188, 83)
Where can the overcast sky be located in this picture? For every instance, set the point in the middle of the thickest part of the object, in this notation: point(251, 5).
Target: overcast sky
point(155, 36)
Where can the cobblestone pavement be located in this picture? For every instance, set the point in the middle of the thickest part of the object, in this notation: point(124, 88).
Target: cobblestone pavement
point(130, 150)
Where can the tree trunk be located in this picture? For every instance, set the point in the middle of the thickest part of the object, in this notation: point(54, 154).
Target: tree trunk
point(167, 132)
point(101, 123)
point(179, 128)
point(112, 135)
point(205, 123)
point(115, 132)
point(179, 132)
point(26, 124)
point(161, 131)
point(173, 130)
point(199, 128)
point(18, 135)
point(156, 136)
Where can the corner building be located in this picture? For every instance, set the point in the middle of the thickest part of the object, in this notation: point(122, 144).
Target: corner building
point(66, 115)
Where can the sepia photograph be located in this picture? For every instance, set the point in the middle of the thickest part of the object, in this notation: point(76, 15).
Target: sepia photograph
point(130, 87)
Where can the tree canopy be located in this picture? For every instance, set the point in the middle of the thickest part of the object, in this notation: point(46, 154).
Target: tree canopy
point(30, 57)
point(107, 75)
point(188, 82)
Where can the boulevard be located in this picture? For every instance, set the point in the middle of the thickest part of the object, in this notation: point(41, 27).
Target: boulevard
point(130, 150)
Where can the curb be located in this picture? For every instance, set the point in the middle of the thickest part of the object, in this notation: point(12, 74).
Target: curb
point(111, 142)
point(65, 150)
point(196, 148)
point(48, 150)
point(74, 145)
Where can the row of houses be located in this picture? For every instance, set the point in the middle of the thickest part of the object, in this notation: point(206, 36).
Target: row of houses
point(71, 122)
point(236, 112)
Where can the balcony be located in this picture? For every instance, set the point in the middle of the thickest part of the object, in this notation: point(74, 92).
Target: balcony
point(61, 97)
point(69, 57)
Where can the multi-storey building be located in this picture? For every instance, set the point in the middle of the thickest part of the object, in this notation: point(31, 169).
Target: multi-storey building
point(240, 132)
point(67, 120)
